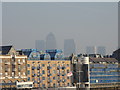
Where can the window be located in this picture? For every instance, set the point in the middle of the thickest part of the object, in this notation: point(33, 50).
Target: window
point(43, 72)
point(68, 71)
point(54, 84)
point(19, 86)
point(54, 71)
point(33, 62)
point(43, 85)
point(38, 72)
point(19, 67)
point(86, 85)
point(68, 77)
point(48, 71)
point(6, 73)
point(68, 65)
point(1, 74)
point(19, 73)
point(54, 65)
point(68, 84)
point(48, 62)
point(28, 65)
point(38, 79)
point(33, 79)
point(38, 62)
point(53, 78)
point(58, 77)
point(0, 60)
point(63, 71)
point(43, 78)
point(23, 60)
point(0, 67)
point(18, 60)
point(23, 73)
point(28, 78)
point(43, 65)
point(33, 67)
point(58, 84)
point(13, 73)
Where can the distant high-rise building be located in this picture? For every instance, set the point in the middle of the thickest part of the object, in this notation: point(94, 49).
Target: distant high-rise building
point(101, 50)
point(91, 50)
point(69, 47)
point(40, 45)
point(50, 41)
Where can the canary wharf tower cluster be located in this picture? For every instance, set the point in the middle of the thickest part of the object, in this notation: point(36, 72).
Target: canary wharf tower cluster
point(43, 46)
point(69, 44)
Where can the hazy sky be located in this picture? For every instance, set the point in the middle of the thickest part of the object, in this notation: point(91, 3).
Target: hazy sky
point(89, 24)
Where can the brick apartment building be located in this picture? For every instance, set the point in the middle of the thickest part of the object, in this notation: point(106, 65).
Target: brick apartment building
point(12, 67)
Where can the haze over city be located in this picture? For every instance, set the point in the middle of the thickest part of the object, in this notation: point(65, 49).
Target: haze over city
point(59, 45)
point(89, 24)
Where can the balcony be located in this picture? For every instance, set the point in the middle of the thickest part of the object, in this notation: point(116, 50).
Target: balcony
point(19, 69)
point(33, 75)
point(58, 67)
point(49, 81)
point(64, 80)
point(63, 74)
point(33, 67)
point(20, 62)
point(48, 67)
point(7, 69)
point(38, 75)
point(49, 74)
point(38, 68)
point(58, 74)
point(58, 81)
point(63, 67)
point(14, 69)
point(7, 63)
point(14, 63)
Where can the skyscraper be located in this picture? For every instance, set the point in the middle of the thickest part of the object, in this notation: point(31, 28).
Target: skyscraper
point(91, 50)
point(40, 45)
point(69, 47)
point(101, 50)
point(50, 41)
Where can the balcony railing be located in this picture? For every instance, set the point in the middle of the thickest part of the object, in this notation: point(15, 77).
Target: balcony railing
point(63, 67)
point(49, 74)
point(38, 68)
point(14, 63)
point(14, 69)
point(48, 67)
point(7, 69)
point(7, 62)
point(20, 62)
point(33, 67)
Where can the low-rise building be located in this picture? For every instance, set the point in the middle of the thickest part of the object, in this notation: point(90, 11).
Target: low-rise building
point(96, 72)
point(104, 73)
point(12, 67)
point(49, 73)
point(116, 54)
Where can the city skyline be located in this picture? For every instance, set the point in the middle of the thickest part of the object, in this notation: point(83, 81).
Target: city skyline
point(96, 50)
point(40, 45)
point(51, 41)
point(69, 47)
point(89, 24)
